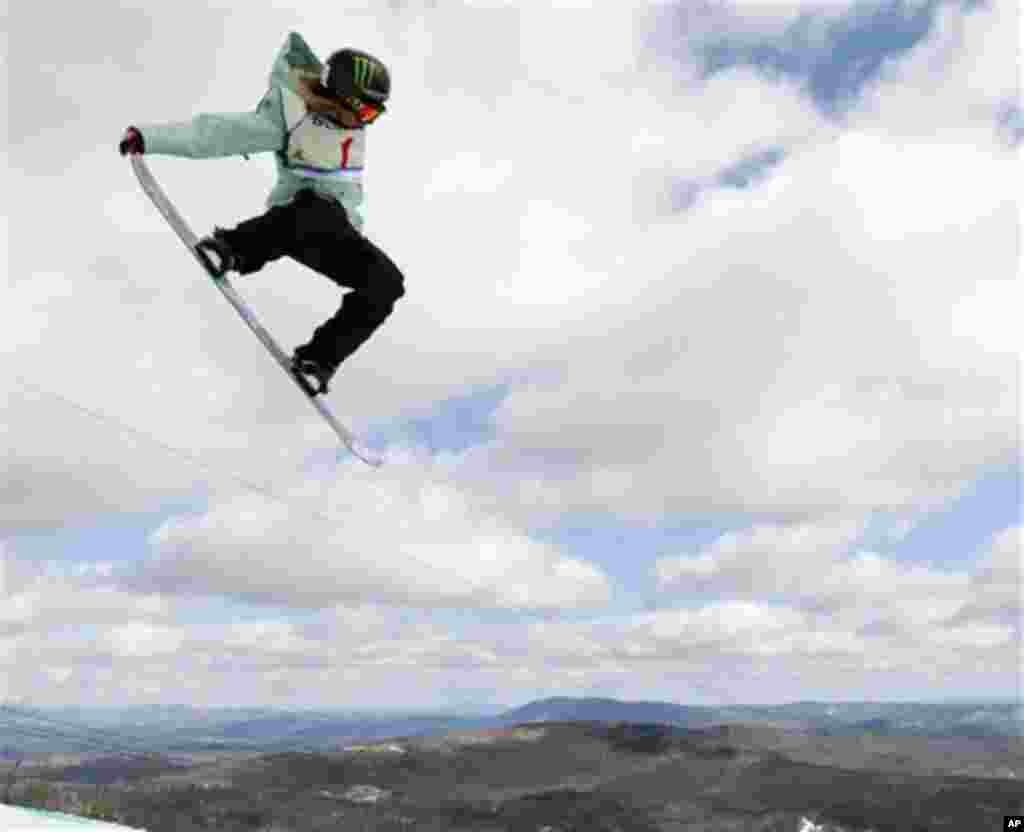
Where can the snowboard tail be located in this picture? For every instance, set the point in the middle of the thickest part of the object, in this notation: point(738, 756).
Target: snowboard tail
point(220, 280)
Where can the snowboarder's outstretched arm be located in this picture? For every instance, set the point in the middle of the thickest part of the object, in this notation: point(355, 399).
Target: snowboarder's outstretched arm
point(213, 135)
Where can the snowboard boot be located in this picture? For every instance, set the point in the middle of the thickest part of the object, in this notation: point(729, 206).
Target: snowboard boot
point(224, 258)
point(309, 370)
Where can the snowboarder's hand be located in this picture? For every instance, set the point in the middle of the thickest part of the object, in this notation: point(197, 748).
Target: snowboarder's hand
point(132, 142)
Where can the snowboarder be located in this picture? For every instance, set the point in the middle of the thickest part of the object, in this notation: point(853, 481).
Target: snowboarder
point(314, 118)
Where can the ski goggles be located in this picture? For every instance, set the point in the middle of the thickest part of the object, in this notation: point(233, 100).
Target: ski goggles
point(366, 111)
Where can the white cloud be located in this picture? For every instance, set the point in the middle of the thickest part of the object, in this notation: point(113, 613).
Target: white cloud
point(779, 554)
point(787, 9)
point(730, 625)
point(403, 535)
point(140, 639)
point(797, 357)
point(839, 340)
point(887, 625)
point(40, 600)
point(997, 584)
point(816, 566)
point(849, 605)
point(803, 413)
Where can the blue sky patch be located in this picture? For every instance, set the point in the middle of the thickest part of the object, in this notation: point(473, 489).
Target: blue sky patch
point(452, 425)
point(1010, 123)
point(626, 551)
point(833, 59)
point(111, 537)
point(751, 169)
point(955, 536)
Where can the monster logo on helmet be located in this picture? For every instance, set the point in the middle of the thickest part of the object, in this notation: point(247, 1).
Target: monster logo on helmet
point(350, 72)
point(363, 71)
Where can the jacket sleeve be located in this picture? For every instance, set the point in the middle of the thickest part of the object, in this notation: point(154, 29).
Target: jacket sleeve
point(212, 135)
point(294, 60)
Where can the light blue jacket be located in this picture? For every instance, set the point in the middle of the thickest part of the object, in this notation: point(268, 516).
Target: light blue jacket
point(310, 150)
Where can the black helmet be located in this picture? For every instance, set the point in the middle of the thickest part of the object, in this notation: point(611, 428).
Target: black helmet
point(350, 72)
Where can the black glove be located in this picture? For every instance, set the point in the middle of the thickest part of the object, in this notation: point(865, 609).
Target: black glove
point(132, 142)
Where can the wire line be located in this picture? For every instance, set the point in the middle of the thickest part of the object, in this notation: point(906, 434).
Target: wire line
point(103, 418)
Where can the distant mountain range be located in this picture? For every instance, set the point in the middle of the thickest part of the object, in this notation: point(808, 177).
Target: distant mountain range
point(183, 728)
point(567, 709)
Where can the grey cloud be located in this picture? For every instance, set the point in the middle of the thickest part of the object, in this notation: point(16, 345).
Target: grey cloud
point(100, 59)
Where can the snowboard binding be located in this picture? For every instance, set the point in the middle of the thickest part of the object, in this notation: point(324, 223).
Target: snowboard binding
point(215, 245)
point(312, 377)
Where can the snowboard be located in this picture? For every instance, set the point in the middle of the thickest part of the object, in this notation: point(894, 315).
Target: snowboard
point(181, 228)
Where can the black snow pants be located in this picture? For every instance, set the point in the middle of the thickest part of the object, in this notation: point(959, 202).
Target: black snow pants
point(316, 232)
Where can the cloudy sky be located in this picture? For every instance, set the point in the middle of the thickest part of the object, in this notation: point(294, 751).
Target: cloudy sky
point(705, 387)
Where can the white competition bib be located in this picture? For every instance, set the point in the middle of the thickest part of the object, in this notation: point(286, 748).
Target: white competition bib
point(317, 148)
